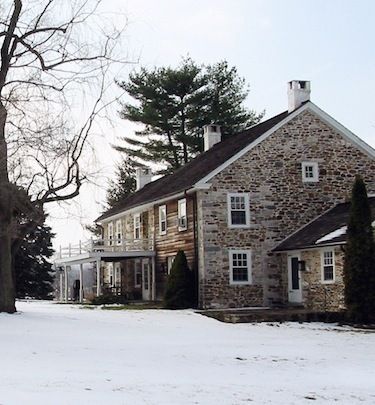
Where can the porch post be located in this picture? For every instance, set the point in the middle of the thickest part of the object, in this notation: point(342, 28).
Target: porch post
point(66, 282)
point(153, 291)
point(61, 286)
point(81, 283)
point(98, 285)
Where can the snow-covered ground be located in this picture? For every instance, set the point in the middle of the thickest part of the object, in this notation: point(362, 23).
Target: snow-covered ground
point(59, 354)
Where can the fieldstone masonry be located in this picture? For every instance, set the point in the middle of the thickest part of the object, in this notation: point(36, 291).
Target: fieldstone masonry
point(280, 203)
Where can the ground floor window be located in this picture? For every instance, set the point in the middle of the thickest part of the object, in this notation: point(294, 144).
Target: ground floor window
point(137, 274)
point(328, 266)
point(240, 266)
point(170, 260)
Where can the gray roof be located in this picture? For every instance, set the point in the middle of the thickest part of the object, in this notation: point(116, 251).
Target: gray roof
point(185, 177)
point(326, 230)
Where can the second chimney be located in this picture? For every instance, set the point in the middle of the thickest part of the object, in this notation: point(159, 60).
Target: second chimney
point(298, 93)
point(211, 136)
point(143, 176)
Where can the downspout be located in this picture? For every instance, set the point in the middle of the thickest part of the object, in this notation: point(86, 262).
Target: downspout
point(196, 251)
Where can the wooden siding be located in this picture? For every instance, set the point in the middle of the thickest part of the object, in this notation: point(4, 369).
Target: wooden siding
point(174, 240)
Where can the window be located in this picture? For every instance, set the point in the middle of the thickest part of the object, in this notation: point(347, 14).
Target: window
point(146, 278)
point(182, 218)
point(117, 275)
point(310, 172)
point(328, 266)
point(240, 266)
point(110, 274)
point(137, 274)
point(170, 260)
point(137, 226)
point(238, 210)
point(110, 234)
point(119, 232)
point(162, 219)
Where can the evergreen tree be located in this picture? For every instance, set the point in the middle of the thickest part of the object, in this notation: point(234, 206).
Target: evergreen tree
point(33, 272)
point(124, 185)
point(180, 291)
point(174, 104)
point(359, 266)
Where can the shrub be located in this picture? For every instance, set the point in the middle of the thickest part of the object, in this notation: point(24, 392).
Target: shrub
point(180, 292)
point(109, 299)
point(359, 266)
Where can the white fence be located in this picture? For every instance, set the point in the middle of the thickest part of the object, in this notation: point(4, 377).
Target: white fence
point(106, 245)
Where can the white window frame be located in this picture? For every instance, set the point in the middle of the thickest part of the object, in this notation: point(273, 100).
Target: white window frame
point(315, 171)
point(247, 252)
point(247, 210)
point(323, 265)
point(162, 212)
point(182, 224)
point(118, 229)
point(137, 226)
point(110, 233)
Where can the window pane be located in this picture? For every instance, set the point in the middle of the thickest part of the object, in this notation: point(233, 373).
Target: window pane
point(328, 272)
point(238, 217)
point(240, 274)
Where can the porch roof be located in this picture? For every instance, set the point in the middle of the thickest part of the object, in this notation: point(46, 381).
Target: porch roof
point(89, 257)
point(329, 229)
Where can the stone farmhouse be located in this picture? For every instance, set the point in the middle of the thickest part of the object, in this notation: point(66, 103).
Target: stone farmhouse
point(260, 215)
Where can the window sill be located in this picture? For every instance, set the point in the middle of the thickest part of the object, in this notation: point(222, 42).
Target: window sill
point(328, 281)
point(239, 283)
point(247, 226)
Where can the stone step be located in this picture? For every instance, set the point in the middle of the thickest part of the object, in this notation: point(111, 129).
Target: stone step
point(274, 315)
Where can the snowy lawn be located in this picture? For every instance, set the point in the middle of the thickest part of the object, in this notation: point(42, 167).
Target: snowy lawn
point(59, 354)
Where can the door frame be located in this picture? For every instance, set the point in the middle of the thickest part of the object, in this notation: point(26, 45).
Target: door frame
point(294, 295)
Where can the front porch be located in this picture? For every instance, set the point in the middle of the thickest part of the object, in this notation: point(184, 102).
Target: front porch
point(122, 268)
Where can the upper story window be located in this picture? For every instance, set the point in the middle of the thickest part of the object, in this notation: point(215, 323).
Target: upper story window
point(137, 226)
point(162, 219)
point(328, 266)
point(119, 232)
point(182, 217)
point(238, 210)
point(310, 172)
point(240, 266)
point(110, 234)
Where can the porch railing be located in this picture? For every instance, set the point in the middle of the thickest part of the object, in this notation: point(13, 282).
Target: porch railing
point(106, 245)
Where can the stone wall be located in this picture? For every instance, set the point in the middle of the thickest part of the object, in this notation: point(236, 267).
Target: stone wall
point(316, 294)
point(280, 203)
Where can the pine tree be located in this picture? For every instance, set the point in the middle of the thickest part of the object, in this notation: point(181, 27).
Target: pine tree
point(359, 266)
point(180, 291)
point(174, 104)
point(124, 185)
point(33, 272)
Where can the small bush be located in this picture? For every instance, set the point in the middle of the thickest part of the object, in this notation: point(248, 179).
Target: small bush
point(180, 292)
point(109, 299)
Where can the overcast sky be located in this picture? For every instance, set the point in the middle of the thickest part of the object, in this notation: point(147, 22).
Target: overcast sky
point(271, 42)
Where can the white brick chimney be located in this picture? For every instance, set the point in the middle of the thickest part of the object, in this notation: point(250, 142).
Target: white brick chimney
point(298, 92)
point(143, 176)
point(211, 135)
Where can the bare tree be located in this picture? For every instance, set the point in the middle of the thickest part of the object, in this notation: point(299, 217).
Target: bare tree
point(55, 55)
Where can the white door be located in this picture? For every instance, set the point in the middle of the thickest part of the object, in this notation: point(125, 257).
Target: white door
point(146, 282)
point(294, 279)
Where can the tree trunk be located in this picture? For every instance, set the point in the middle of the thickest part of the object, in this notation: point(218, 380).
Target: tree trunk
point(7, 292)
